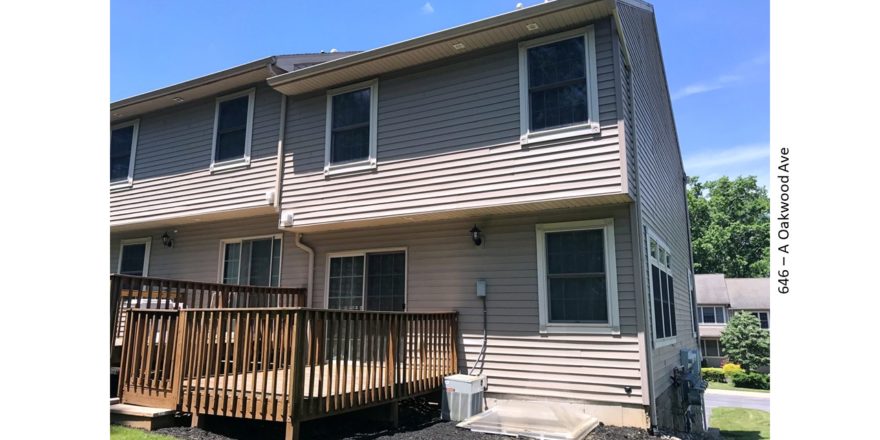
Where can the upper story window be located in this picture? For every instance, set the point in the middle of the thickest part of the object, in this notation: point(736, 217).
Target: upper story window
point(764, 317)
point(577, 277)
point(558, 88)
point(662, 292)
point(233, 121)
point(350, 143)
point(123, 143)
point(713, 315)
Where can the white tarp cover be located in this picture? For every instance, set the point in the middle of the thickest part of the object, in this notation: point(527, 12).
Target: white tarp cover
point(540, 420)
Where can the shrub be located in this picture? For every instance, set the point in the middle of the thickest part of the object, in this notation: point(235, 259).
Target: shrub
point(730, 369)
point(754, 380)
point(713, 374)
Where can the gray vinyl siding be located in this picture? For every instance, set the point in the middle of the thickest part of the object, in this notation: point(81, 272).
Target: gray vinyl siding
point(442, 268)
point(171, 170)
point(196, 252)
point(661, 189)
point(448, 139)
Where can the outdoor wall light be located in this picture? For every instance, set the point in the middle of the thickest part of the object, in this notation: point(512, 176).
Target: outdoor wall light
point(167, 241)
point(475, 235)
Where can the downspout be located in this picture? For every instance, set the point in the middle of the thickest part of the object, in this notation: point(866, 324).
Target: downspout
point(279, 167)
point(311, 274)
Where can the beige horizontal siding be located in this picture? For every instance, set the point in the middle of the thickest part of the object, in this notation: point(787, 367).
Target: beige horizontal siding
point(443, 266)
point(196, 253)
point(660, 186)
point(448, 139)
point(171, 171)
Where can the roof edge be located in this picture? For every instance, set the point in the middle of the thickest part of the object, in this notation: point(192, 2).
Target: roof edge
point(431, 38)
point(196, 82)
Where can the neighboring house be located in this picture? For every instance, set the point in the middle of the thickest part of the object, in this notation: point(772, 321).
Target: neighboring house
point(718, 299)
point(535, 151)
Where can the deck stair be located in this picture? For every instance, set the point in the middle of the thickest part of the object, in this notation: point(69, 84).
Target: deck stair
point(143, 417)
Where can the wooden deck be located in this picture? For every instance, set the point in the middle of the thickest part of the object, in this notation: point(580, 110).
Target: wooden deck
point(282, 364)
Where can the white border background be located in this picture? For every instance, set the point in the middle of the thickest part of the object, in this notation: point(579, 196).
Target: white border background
point(823, 107)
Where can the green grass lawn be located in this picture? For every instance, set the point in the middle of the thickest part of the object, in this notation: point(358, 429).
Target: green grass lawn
point(741, 423)
point(123, 433)
point(729, 386)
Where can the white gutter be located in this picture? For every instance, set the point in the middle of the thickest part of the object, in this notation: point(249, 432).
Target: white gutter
point(279, 170)
point(311, 275)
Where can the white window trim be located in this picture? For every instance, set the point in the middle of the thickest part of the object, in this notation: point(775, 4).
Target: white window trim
point(363, 253)
point(703, 343)
point(222, 254)
point(613, 324)
point(147, 241)
point(588, 128)
point(127, 183)
point(360, 166)
point(669, 340)
point(246, 159)
point(723, 312)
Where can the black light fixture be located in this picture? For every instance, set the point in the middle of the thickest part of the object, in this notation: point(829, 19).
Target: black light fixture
point(475, 235)
point(167, 241)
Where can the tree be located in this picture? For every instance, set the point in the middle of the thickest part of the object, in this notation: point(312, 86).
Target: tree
point(730, 226)
point(745, 342)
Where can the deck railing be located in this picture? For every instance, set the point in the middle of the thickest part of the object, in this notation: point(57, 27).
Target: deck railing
point(127, 291)
point(287, 364)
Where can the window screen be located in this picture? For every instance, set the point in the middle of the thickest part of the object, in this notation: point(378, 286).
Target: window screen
point(252, 262)
point(386, 278)
point(231, 129)
point(557, 84)
point(121, 140)
point(576, 279)
point(350, 129)
point(133, 258)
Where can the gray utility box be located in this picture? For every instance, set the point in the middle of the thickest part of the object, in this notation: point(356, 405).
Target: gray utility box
point(462, 397)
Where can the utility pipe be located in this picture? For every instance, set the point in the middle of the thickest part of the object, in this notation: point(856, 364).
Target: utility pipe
point(279, 167)
point(311, 274)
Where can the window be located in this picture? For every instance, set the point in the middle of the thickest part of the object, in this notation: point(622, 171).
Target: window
point(251, 261)
point(764, 317)
point(577, 277)
point(233, 120)
point(713, 315)
point(123, 143)
point(662, 290)
point(134, 257)
point(369, 280)
point(558, 87)
point(693, 306)
point(350, 143)
point(711, 348)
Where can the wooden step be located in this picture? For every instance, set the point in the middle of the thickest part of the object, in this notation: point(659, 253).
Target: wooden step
point(143, 417)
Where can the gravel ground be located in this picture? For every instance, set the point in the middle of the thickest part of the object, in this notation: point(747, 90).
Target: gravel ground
point(419, 420)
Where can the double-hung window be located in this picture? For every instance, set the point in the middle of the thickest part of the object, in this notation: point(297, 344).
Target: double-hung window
point(350, 143)
point(577, 277)
point(251, 261)
point(123, 144)
point(233, 122)
point(713, 315)
point(662, 292)
point(764, 317)
point(711, 347)
point(134, 257)
point(558, 86)
point(367, 280)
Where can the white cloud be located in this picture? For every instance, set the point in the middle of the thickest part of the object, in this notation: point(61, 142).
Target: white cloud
point(427, 8)
point(739, 73)
point(742, 160)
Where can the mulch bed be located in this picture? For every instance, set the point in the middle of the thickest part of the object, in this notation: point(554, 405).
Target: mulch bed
point(419, 420)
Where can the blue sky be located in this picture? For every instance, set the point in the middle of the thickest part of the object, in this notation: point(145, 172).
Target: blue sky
point(716, 55)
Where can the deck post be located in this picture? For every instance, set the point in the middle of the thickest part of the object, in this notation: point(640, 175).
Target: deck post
point(197, 421)
point(291, 430)
point(394, 413)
